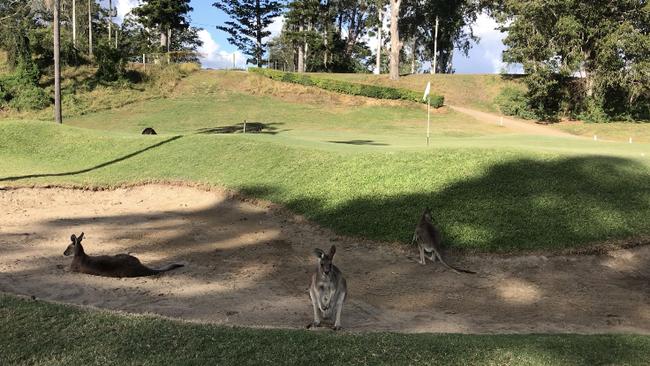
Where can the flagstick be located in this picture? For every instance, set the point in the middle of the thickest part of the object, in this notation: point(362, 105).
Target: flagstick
point(428, 117)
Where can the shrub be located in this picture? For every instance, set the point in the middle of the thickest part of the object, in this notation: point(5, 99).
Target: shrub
point(513, 102)
point(20, 90)
point(110, 63)
point(345, 87)
point(30, 97)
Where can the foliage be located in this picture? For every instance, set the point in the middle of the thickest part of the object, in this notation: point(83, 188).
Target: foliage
point(606, 43)
point(454, 31)
point(20, 89)
point(513, 102)
point(164, 16)
point(248, 27)
point(110, 62)
point(345, 87)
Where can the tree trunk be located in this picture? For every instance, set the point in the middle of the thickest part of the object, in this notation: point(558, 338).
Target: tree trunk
point(74, 23)
point(415, 40)
point(395, 44)
point(110, 19)
point(301, 56)
point(434, 65)
point(90, 30)
point(306, 49)
point(379, 29)
point(57, 63)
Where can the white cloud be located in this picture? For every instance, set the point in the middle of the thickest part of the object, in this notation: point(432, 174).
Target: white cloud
point(276, 27)
point(124, 7)
point(213, 57)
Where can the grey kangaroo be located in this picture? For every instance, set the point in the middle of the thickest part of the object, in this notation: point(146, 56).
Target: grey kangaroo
point(121, 265)
point(429, 240)
point(328, 290)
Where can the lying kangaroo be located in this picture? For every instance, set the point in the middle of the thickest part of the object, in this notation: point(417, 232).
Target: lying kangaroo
point(121, 265)
point(429, 240)
point(149, 131)
point(328, 290)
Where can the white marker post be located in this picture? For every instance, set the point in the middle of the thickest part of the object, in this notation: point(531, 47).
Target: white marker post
point(428, 100)
point(501, 121)
point(630, 140)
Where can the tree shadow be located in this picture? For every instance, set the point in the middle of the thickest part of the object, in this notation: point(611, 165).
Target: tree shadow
point(251, 127)
point(102, 165)
point(360, 142)
point(524, 204)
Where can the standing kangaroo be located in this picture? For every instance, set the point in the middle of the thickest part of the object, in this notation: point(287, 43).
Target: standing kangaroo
point(328, 290)
point(429, 240)
point(121, 265)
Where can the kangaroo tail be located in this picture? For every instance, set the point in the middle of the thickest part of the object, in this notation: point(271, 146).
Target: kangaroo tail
point(168, 267)
point(457, 270)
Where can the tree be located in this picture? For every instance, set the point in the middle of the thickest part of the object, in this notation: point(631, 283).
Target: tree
point(395, 42)
point(248, 25)
point(379, 11)
point(165, 16)
point(56, 7)
point(606, 43)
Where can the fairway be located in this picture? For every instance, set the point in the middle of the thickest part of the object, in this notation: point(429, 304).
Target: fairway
point(551, 222)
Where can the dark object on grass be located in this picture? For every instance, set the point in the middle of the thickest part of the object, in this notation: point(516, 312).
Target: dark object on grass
point(149, 131)
point(121, 265)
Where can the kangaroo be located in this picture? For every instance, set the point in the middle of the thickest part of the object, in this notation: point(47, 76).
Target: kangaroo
point(429, 240)
point(149, 131)
point(121, 265)
point(328, 290)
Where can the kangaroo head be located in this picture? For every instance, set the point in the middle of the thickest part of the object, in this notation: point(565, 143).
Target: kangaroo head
point(70, 250)
point(325, 259)
point(428, 215)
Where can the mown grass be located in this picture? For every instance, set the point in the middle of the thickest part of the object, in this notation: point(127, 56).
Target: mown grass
point(209, 99)
point(486, 197)
point(615, 131)
point(40, 333)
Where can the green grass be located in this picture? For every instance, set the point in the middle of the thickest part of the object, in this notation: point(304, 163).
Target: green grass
point(40, 333)
point(486, 197)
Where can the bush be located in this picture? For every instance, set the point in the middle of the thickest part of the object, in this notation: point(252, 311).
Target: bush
point(31, 97)
point(110, 63)
point(345, 87)
point(20, 90)
point(513, 102)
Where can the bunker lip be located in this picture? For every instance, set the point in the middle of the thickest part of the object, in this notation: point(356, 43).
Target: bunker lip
point(248, 264)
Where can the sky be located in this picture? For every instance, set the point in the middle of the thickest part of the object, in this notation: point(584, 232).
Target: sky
point(483, 58)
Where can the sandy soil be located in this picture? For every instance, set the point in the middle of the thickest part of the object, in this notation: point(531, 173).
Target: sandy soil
point(248, 264)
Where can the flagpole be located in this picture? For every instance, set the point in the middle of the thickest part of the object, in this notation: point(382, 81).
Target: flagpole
point(428, 117)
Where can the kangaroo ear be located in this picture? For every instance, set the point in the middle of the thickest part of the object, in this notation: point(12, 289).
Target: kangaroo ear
point(81, 236)
point(332, 251)
point(73, 237)
point(319, 253)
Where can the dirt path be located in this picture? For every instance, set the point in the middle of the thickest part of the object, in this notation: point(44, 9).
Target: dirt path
point(249, 265)
point(513, 124)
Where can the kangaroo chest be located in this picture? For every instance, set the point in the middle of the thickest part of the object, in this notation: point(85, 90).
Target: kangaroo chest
point(326, 292)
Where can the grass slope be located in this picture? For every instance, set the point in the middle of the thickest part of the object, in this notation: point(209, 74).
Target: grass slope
point(486, 197)
point(39, 333)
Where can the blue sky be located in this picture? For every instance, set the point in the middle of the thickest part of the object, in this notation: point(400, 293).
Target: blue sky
point(484, 57)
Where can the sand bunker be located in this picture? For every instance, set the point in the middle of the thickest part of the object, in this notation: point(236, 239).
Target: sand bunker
point(249, 265)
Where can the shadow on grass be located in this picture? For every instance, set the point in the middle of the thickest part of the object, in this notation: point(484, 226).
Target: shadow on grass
point(102, 165)
point(517, 205)
point(251, 127)
point(360, 142)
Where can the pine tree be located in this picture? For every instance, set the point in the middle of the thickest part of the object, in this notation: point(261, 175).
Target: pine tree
point(164, 15)
point(248, 24)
